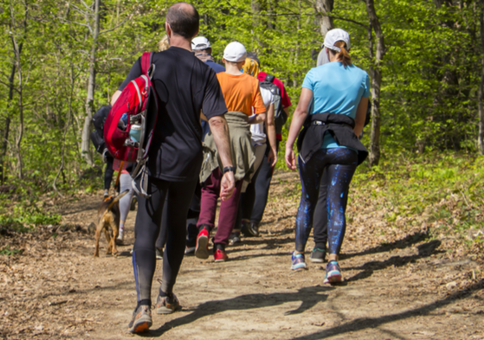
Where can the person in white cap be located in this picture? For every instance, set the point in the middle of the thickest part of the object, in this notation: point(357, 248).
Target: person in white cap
point(328, 144)
point(242, 98)
point(203, 51)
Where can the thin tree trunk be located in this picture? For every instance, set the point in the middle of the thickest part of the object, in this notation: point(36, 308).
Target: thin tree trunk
point(324, 8)
point(375, 84)
point(480, 142)
point(86, 130)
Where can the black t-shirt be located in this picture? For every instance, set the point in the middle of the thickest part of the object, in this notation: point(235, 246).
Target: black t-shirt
point(185, 86)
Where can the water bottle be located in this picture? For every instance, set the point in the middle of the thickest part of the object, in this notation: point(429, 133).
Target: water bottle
point(135, 132)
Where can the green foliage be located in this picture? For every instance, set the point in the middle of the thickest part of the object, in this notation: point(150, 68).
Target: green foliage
point(440, 188)
point(7, 251)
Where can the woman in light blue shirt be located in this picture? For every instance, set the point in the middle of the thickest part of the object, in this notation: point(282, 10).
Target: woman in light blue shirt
point(337, 93)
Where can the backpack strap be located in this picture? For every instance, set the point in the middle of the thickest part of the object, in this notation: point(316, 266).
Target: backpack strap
point(146, 62)
point(269, 78)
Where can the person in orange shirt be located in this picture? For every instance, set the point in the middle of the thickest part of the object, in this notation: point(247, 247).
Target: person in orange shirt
point(243, 99)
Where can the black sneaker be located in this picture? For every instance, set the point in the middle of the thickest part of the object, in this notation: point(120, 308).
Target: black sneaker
point(159, 253)
point(244, 228)
point(141, 320)
point(254, 228)
point(317, 255)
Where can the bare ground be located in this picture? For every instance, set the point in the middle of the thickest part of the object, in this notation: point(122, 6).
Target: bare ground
point(400, 284)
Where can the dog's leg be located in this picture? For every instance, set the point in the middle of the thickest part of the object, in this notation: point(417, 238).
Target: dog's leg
point(97, 237)
point(108, 238)
point(113, 240)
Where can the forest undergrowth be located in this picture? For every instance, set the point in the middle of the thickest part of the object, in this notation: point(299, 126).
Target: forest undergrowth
point(439, 194)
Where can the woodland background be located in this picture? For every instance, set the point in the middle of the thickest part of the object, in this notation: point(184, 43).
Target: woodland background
point(61, 60)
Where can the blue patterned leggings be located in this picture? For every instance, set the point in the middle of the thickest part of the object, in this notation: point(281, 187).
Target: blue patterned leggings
point(340, 165)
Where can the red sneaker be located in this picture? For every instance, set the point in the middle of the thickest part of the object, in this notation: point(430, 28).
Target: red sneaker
point(201, 249)
point(220, 255)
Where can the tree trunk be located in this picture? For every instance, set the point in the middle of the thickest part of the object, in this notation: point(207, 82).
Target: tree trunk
point(323, 8)
point(376, 78)
point(480, 138)
point(86, 130)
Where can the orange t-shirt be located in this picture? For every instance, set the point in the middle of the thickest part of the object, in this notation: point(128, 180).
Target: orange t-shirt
point(241, 93)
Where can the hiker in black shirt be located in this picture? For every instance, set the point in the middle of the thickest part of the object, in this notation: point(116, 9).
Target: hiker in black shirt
point(185, 87)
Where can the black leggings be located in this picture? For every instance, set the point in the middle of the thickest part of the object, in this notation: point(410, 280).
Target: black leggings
point(332, 170)
point(108, 173)
point(178, 196)
point(192, 219)
point(254, 200)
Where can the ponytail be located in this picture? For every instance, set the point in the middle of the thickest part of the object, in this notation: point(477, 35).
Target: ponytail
point(343, 56)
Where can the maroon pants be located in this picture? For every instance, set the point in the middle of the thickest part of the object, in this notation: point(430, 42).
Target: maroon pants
point(228, 208)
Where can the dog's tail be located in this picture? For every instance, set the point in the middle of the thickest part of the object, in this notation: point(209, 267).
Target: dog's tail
point(117, 198)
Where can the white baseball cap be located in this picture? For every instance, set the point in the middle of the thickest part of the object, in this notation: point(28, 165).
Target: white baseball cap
point(335, 35)
point(235, 52)
point(200, 43)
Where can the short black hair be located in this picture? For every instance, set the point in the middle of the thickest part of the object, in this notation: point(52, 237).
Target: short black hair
point(252, 55)
point(183, 19)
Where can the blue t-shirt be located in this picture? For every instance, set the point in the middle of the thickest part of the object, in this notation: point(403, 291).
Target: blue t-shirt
point(336, 89)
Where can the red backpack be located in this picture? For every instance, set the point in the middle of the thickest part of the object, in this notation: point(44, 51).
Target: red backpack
point(135, 108)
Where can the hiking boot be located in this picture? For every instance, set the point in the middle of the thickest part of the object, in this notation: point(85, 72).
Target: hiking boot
point(333, 273)
point(254, 228)
point(141, 319)
point(159, 253)
point(219, 253)
point(244, 228)
point(167, 304)
point(106, 193)
point(189, 250)
point(201, 249)
point(317, 255)
point(234, 238)
point(298, 262)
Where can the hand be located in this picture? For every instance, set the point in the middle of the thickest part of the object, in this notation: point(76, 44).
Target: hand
point(227, 186)
point(290, 159)
point(272, 157)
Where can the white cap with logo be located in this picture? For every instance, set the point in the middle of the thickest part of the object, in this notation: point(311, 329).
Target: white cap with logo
point(235, 52)
point(200, 43)
point(334, 36)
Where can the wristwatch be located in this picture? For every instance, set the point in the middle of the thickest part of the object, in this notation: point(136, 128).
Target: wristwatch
point(228, 168)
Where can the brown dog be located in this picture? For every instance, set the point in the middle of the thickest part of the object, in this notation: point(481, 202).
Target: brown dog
point(108, 216)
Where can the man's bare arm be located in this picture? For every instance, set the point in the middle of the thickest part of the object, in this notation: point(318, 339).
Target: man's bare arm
point(221, 136)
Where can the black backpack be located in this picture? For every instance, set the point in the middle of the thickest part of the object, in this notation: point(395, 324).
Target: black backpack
point(97, 136)
point(280, 117)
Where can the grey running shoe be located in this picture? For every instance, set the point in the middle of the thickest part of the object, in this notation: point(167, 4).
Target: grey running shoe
point(106, 193)
point(167, 304)
point(159, 253)
point(317, 255)
point(234, 238)
point(141, 320)
point(189, 250)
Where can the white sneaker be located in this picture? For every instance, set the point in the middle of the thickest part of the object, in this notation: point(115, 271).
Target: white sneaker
point(189, 250)
point(120, 238)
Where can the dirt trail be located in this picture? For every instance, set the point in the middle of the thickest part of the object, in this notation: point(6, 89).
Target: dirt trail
point(405, 288)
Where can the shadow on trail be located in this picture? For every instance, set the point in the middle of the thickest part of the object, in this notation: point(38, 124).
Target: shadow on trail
point(424, 250)
point(368, 323)
point(403, 243)
point(309, 297)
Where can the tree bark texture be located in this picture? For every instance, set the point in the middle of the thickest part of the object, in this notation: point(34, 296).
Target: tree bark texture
point(376, 78)
point(91, 84)
point(324, 7)
point(480, 143)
